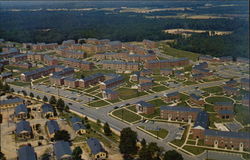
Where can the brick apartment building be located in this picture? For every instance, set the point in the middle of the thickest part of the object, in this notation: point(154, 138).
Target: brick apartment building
point(9, 52)
point(111, 83)
point(19, 58)
point(166, 71)
point(120, 65)
point(109, 94)
point(157, 64)
point(145, 86)
point(43, 46)
point(198, 100)
point(38, 73)
point(85, 65)
point(245, 83)
point(170, 97)
point(50, 61)
point(145, 107)
point(22, 65)
point(177, 113)
point(65, 52)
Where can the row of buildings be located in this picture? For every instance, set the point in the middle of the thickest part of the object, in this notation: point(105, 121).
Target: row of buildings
point(159, 64)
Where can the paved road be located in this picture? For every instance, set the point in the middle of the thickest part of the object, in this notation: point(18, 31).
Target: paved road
point(102, 114)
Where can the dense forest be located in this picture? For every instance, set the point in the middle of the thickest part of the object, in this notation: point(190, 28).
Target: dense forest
point(56, 26)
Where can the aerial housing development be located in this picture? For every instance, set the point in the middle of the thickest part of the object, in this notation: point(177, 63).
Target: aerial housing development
point(124, 80)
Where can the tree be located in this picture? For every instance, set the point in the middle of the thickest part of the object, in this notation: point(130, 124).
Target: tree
point(107, 130)
point(66, 108)
point(2, 156)
point(172, 155)
point(128, 141)
point(62, 135)
point(38, 97)
point(98, 122)
point(143, 142)
point(52, 100)
point(45, 156)
point(60, 105)
point(77, 153)
point(150, 152)
point(24, 92)
point(45, 99)
point(31, 95)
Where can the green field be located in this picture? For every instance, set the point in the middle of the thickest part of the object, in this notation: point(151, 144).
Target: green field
point(179, 53)
point(215, 89)
point(98, 103)
point(194, 150)
point(189, 82)
point(162, 133)
point(213, 100)
point(159, 88)
point(126, 115)
point(157, 102)
point(242, 114)
point(126, 93)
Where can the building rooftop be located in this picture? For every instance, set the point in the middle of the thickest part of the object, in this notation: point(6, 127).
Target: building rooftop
point(21, 108)
point(11, 101)
point(241, 135)
point(52, 126)
point(202, 120)
point(145, 104)
point(226, 112)
point(179, 108)
point(172, 94)
point(95, 146)
point(47, 108)
point(61, 149)
point(23, 126)
point(26, 153)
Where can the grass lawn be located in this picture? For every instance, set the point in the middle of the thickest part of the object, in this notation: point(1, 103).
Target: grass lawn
point(155, 114)
point(160, 78)
point(242, 114)
point(245, 129)
point(194, 150)
point(189, 82)
point(99, 95)
point(126, 115)
point(159, 88)
point(179, 53)
point(212, 100)
point(132, 108)
point(126, 93)
point(162, 133)
point(98, 103)
point(215, 89)
point(183, 97)
point(209, 108)
point(40, 80)
point(19, 83)
point(92, 89)
point(191, 142)
point(157, 102)
point(114, 101)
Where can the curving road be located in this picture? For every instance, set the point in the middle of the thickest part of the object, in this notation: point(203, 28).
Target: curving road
point(102, 114)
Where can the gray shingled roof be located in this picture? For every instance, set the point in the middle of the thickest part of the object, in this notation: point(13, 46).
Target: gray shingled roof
point(202, 120)
point(145, 104)
point(52, 126)
point(179, 108)
point(95, 146)
point(23, 126)
point(21, 108)
point(242, 135)
point(62, 148)
point(26, 153)
point(47, 108)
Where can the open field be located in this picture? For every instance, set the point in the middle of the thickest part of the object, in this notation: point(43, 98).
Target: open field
point(179, 53)
point(162, 133)
point(213, 100)
point(126, 115)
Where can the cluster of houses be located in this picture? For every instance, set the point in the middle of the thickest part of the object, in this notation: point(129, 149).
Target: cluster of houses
point(159, 64)
point(200, 71)
point(61, 149)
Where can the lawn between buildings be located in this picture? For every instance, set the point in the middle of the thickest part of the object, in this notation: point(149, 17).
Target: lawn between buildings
point(126, 115)
point(161, 133)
